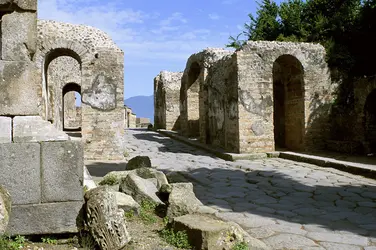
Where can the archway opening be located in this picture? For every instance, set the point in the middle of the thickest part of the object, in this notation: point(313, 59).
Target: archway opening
point(288, 95)
point(193, 100)
point(72, 120)
point(370, 121)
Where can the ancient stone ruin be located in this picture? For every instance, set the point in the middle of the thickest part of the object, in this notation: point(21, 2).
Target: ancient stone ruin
point(264, 96)
point(166, 100)
point(43, 64)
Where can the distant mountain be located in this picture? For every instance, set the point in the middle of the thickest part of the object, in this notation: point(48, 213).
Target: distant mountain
point(142, 106)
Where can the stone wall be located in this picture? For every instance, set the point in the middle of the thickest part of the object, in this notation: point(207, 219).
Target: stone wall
point(43, 172)
point(307, 95)
point(101, 66)
point(166, 100)
point(192, 105)
point(264, 96)
point(130, 118)
point(19, 78)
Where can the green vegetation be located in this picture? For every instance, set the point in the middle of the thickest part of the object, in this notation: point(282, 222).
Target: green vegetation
point(7, 243)
point(126, 154)
point(109, 180)
point(129, 214)
point(50, 241)
point(178, 239)
point(345, 28)
point(147, 212)
point(240, 246)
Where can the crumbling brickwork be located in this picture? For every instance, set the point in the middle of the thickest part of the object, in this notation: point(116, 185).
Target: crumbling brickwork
point(166, 100)
point(99, 63)
point(192, 105)
point(264, 96)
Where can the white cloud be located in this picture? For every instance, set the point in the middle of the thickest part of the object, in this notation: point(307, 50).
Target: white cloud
point(214, 16)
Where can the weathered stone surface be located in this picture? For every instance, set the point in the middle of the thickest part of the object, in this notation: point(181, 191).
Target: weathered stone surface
point(166, 98)
point(47, 218)
point(140, 189)
point(35, 129)
point(152, 173)
point(176, 177)
point(288, 241)
point(20, 171)
point(20, 45)
point(5, 209)
point(127, 203)
point(23, 4)
point(5, 129)
point(138, 162)
point(114, 177)
point(62, 171)
point(20, 87)
point(102, 223)
point(182, 200)
point(206, 232)
point(102, 94)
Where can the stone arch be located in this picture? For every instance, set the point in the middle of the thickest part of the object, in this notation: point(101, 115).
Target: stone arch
point(288, 105)
point(52, 49)
point(370, 122)
point(69, 109)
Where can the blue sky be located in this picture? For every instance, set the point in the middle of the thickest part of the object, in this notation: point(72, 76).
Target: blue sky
point(154, 35)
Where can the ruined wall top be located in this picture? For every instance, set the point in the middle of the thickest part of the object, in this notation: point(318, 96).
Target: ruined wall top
point(288, 46)
point(91, 36)
point(171, 80)
point(22, 4)
point(208, 56)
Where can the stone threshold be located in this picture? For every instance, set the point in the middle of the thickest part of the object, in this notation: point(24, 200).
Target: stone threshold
point(366, 170)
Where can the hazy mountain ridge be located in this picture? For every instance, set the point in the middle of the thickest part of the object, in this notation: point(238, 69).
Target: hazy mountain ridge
point(142, 106)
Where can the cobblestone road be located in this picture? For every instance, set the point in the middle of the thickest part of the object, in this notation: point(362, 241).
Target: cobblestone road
point(286, 204)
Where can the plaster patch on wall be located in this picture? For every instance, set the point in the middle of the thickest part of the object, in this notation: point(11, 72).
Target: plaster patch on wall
point(102, 94)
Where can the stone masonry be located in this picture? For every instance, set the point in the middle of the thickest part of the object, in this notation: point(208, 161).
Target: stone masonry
point(264, 96)
point(192, 91)
point(86, 60)
point(166, 100)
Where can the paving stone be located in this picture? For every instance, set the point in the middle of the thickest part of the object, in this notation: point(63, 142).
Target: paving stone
point(367, 204)
point(261, 232)
point(289, 241)
point(339, 238)
point(330, 245)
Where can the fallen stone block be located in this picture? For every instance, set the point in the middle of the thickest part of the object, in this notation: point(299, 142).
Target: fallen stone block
point(138, 162)
point(127, 203)
point(176, 177)
point(147, 173)
point(22, 4)
point(20, 171)
point(101, 223)
point(140, 189)
point(35, 129)
point(62, 171)
point(5, 129)
point(182, 200)
point(47, 218)
point(114, 177)
point(209, 233)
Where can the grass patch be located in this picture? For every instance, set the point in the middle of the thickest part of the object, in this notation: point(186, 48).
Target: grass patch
point(50, 241)
point(240, 246)
point(7, 243)
point(109, 180)
point(129, 214)
point(177, 239)
point(147, 212)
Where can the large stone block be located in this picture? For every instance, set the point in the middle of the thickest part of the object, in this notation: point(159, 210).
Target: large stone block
point(5, 129)
point(20, 88)
point(35, 129)
point(19, 36)
point(22, 4)
point(48, 218)
point(62, 171)
point(20, 171)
